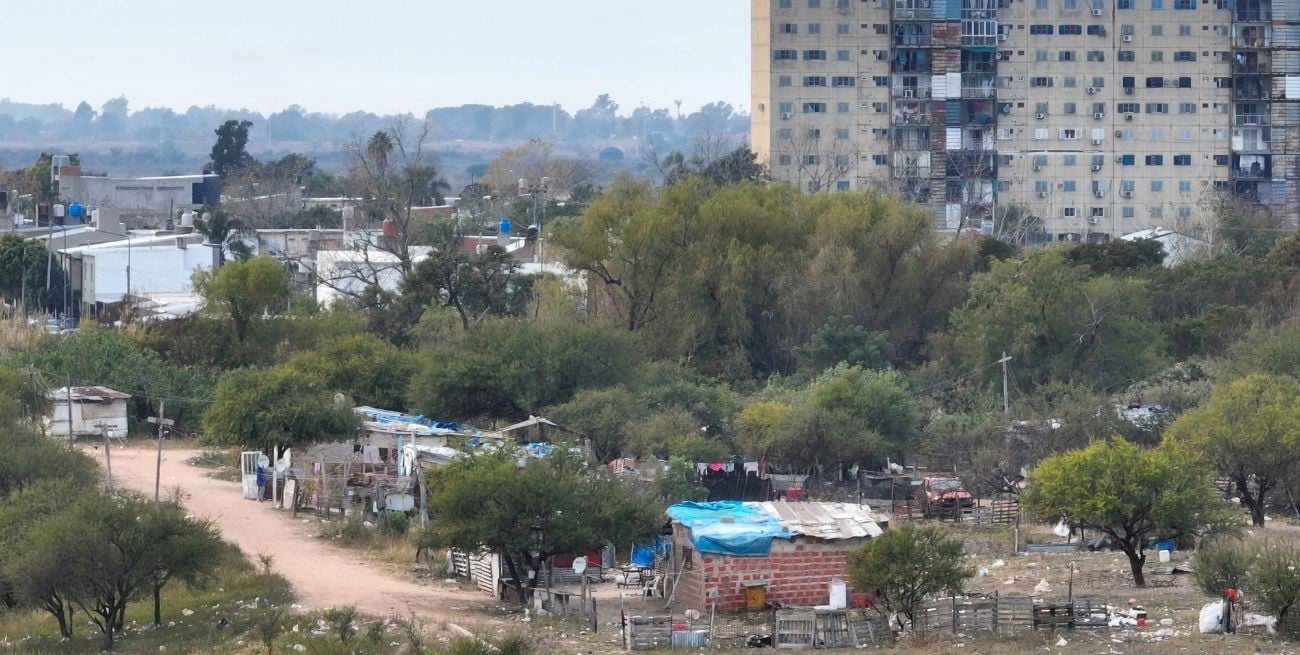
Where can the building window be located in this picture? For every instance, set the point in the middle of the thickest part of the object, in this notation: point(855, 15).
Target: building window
point(1184, 30)
point(1069, 81)
point(814, 133)
point(842, 133)
point(1184, 55)
point(1157, 30)
point(1184, 186)
point(1184, 134)
point(1097, 212)
point(1157, 186)
point(1155, 82)
point(1127, 108)
point(785, 55)
point(1069, 212)
point(1125, 55)
point(880, 80)
point(814, 55)
point(812, 160)
point(1040, 4)
point(783, 160)
point(842, 162)
point(842, 29)
point(1040, 55)
point(1124, 4)
point(1157, 134)
point(1040, 186)
point(1127, 160)
point(1220, 160)
point(1069, 134)
point(1157, 108)
point(1155, 160)
point(814, 4)
point(814, 107)
point(880, 160)
point(1184, 4)
point(1040, 29)
point(1155, 213)
point(1069, 160)
point(1127, 186)
point(1128, 212)
point(1182, 160)
point(1157, 4)
point(1098, 82)
point(814, 80)
point(1071, 29)
point(784, 134)
point(1096, 55)
point(784, 80)
point(841, 107)
point(785, 4)
point(842, 185)
point(1040, 133)
point(1187, 108)
point(1040, 107)
point(786, 107)
point(1069, 5)
point(1065, 55)
point(1069, 186)
point(814, 28)
point(843, 80)
point(1040, 81)
point(1069, 107)
point(789, 28)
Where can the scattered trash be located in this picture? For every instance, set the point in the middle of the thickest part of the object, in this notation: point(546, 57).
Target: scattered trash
point(1010, 581)
point(1166, 621)
point(1062, 529)
point(984, 573)
point(998, 564)
point(1211, 622)
point(1062, 642)
point(1043, 587)
point(187, 612)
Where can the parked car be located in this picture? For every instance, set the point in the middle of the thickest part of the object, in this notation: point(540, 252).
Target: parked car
point(944, 495)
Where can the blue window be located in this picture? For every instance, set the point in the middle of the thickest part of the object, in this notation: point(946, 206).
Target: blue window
point(842, 108)
point(814, 55)
point(1182, 160)
point(785, 55)
point(842, 28)
point(1127, 160)
point(814, 107)
point(1040, 186)
point(1040, 29)
point(1157, 186)
point(843, 55)
point(842, 185)
point(786, 107)
point(814, 28)
point(1155, 160)
point(789, 28)
point(1157, 4)
point(880, 160)
point(785, 4)
point(1184, 4)
point(1184, 186)
point(1123, 4)
point(1069, 186)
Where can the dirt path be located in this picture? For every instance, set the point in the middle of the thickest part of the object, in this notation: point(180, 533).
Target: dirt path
point(322, 575)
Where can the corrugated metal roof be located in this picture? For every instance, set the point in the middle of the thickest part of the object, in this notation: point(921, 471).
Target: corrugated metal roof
point(825, 520)
point(88, 394)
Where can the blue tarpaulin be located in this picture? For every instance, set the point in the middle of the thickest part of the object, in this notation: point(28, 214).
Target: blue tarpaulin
point(729, 527)
point(644, 555)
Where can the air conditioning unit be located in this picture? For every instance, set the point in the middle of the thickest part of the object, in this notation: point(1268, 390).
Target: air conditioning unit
point(1042, 194)
point(1002, 36)
point(1038, 167)
point(1006, 109)
point(1128, 38)
point(1090, 90)
point(1096, 142)
point(1040, 115)
point(1119, 134)
point(1099, 115)
point(1096, 168)
point(1096, 12)
point(1128, 117)
point(1128, 90)
point(1099, 193)
point(785, 115)
point(1126, 194)
point(1093, 220)
point(909, 93)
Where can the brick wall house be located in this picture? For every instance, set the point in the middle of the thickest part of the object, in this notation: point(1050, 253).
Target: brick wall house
point(797, 569)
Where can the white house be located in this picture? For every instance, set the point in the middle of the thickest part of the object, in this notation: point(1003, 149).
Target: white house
point(1178, 246)
point(139, 266)
point(94, 411)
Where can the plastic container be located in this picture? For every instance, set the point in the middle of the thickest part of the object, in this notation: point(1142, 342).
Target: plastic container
point(839, 594)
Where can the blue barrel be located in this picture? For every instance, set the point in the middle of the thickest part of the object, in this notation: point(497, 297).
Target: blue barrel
point(506, 226)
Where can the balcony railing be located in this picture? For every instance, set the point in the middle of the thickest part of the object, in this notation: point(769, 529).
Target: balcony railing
point(919, 145)
point(1250, 173)
point(913, 40)
point(979, 92)
point(913, 119)
point(1253, 15)
point(1250, 69)
point(1251, 119)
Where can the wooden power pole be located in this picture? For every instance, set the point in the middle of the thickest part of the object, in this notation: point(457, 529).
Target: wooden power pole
point(162, 423)
point(1006, 398)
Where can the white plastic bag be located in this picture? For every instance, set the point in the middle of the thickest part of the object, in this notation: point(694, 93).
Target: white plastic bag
point(1061, 530)
point(1212, 618)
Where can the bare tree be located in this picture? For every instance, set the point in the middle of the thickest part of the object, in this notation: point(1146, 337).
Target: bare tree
point(394, 171)
point(818, 161)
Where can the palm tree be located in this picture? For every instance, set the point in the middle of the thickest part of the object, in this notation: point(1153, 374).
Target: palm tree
point(378, 148)
point(224, 232)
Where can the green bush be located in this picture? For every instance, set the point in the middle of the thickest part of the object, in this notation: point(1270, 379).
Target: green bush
point(396, 524)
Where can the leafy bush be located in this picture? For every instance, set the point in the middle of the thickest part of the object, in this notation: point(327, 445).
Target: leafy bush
point(395, 524)
point(1222, 565)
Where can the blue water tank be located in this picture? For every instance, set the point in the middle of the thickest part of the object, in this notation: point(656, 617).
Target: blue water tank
point(506, 226)
point(75, 210)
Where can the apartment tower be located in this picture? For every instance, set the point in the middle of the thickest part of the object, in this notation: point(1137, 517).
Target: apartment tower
point(1094, 117)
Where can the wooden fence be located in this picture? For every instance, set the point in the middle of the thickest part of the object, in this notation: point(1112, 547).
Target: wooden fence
point(828, 629)
point(984, 513)
point(1007, 616)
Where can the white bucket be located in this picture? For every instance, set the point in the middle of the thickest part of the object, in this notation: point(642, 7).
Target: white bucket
point(839, 594)
point(1164, 556)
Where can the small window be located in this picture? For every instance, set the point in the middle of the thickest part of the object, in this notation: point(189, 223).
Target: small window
point(1187, 108)
point(1071, 29)
point(783, 160)
point(1184, 4)
point(812, 160)
point(1125, 55)
point(1182, 160)
point(842, 185)
point(785, 4)
point(784, 134)
point(1157, 186)
point(1040, 55)
point(786, 107)
point(1065, 55)
point(1184, 30)
point(785, 55)
point(1040, 186)
point(814, 28)
point(1155, 160)
point(1041, 29)
point(1157, 30)
point(814, 4)
point(1128, 212)
point(1127, 160)
point(1184, 55)
point(841, 81)
point(842, 108)
point(1069, 107)
point(789, 28)
point(1069, 186)
point(1069, 160)
point(842, 29)
point(880, 160)
point(1096, 55)
point(843, 55)
point(814, 107)
point(842, 133)
point(814, 55)
point(814, 80)
point(814, 133)
point(1124, 4)
point(784, 80)
point(1040, 81)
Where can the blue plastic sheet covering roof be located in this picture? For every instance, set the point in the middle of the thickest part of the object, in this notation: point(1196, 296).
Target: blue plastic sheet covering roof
point(747, 528)
point(399, 422)
point(729, 527)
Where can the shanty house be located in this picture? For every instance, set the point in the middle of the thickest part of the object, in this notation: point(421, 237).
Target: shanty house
point(87, 411)
point(723, 550)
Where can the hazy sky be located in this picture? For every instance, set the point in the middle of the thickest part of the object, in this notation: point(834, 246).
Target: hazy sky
point(376, 55)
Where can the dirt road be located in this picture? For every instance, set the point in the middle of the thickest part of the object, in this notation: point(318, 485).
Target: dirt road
point(322, 575)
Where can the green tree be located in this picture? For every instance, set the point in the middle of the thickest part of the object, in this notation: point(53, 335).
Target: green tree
point(906, 565)
point(185, 549)
point(505, 368)
point(30, 578)
point(276, 407)
point(368, 369)
point(1250, 433)
point(1058, 324)
point(1275, 579)
point(840, 342)
point(1221, 565)
point(229, 153)
point(24, 264)
point(548, 507)
point(245, 291)
point(676, 483)
point(602, 416)
point(225, 233)
point(736, 167)
point(1129, 494)
point(1117, 256)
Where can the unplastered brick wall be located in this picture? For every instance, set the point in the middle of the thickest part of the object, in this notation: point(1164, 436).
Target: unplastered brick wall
point(798, 573)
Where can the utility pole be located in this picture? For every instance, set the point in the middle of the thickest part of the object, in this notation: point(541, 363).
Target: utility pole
point(104, 430)
point(163, 423)
point(1006, 400)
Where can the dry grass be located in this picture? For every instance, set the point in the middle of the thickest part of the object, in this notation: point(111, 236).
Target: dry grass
point(17, 336)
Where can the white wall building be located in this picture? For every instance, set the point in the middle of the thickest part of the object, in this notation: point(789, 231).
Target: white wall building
point(138, 266)
point(94, 410)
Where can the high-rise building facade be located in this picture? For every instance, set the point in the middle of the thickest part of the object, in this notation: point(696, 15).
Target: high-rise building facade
point(1093, 118)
